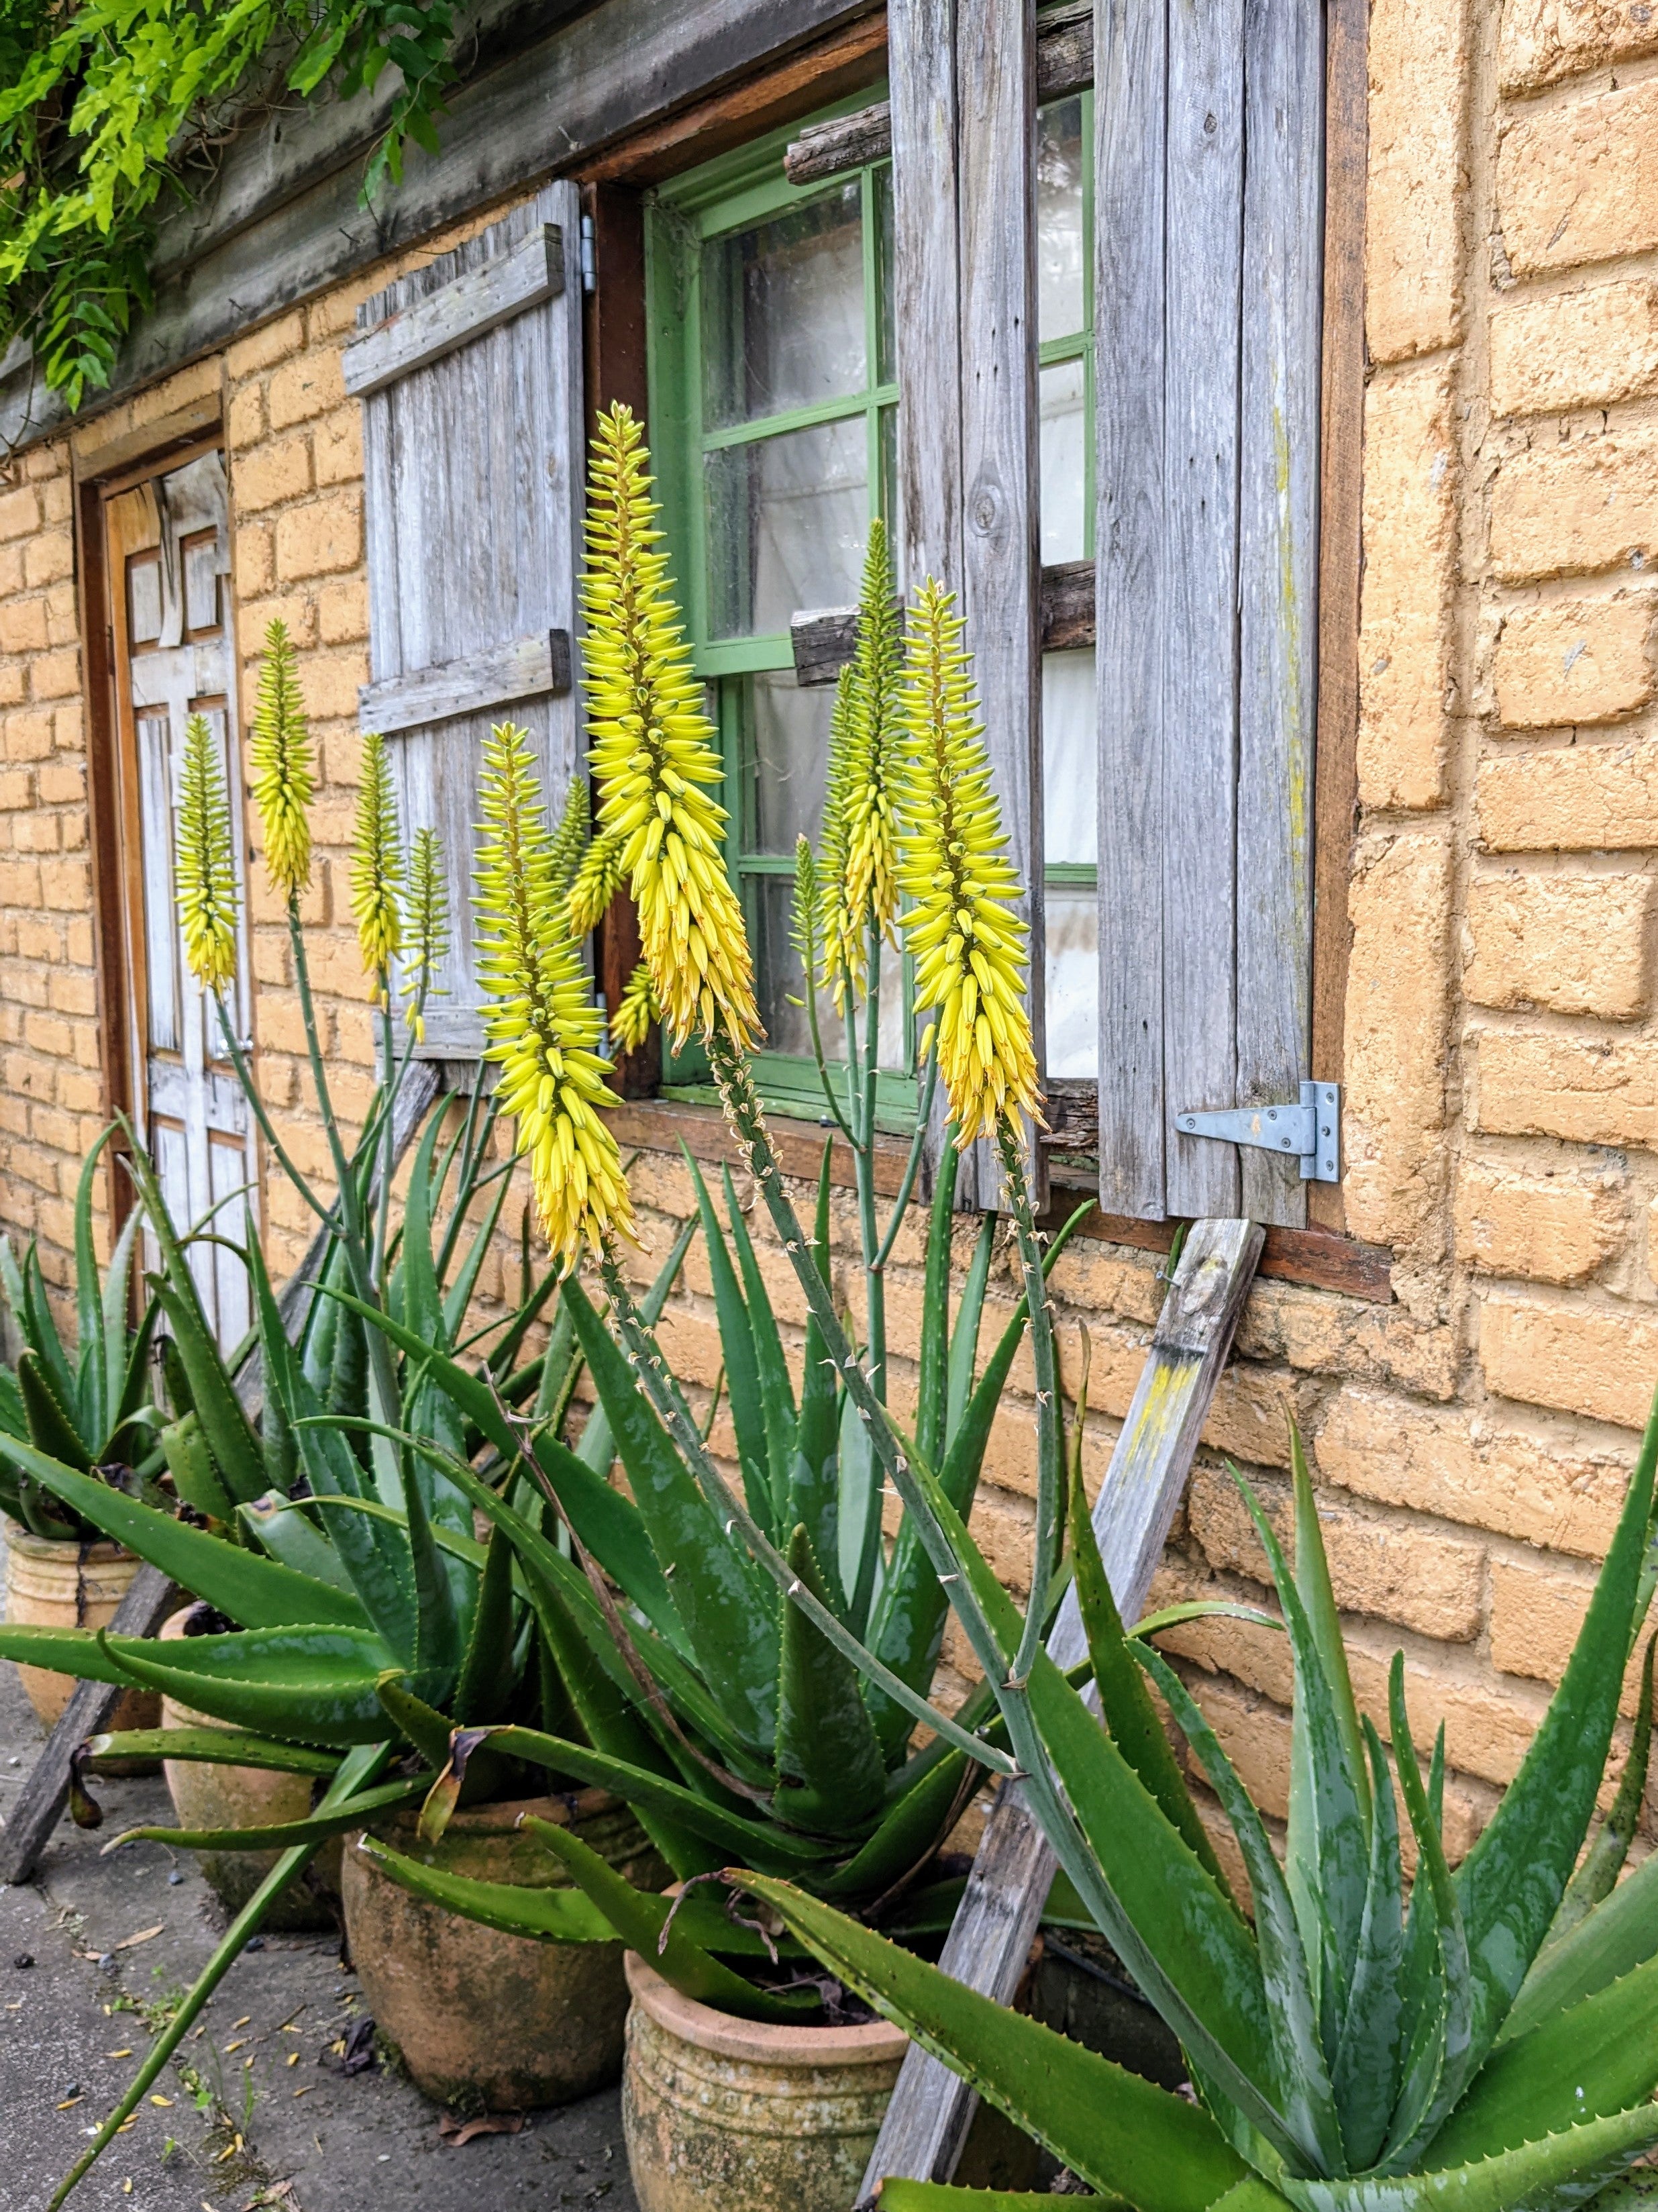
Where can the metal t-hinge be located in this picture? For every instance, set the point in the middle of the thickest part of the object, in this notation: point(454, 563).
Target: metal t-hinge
point(1311, 1131)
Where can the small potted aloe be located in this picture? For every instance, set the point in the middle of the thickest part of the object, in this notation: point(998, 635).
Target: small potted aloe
point(742, 1610)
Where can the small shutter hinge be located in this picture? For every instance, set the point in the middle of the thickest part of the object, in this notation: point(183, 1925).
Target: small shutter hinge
point(1311, 1131)
point(589, 255)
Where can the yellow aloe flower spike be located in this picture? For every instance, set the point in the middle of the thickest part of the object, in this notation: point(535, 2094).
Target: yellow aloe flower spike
point(206, 863)
point(284, 772)
point(570, 838)
point(427, 944)
point(594, 883)
point(653, 753)
point(859, 874)
point(377, 874)
point(542, 1026)
point(636, 1010)
point(969, 949)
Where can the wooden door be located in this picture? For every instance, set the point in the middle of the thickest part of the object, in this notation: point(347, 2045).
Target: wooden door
point(168, 547)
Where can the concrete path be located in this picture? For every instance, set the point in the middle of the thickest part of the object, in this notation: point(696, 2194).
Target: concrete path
point(108, 1936)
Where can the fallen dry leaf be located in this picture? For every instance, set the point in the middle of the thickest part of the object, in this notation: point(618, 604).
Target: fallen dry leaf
point(455, 2132)
point(144, 1935)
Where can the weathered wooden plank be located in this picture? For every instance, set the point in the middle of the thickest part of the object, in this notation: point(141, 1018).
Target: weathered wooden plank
point(1001, 557)
point(1277, 570)
point(1130, 81)
point(35, 1810)
point(822, 639)
point(462, 310)
point(525, 668)
point(592, 79)
point(1064, 64)
point(1204, 186)
point(931, 2108)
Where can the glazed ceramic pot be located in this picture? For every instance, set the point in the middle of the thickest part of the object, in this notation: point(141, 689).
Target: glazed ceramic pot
point(210, 1796)
point(56, 1583)
point(482, 2018)
point(720, 2112)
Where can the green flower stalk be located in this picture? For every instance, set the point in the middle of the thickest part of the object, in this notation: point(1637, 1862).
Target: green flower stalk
point(284, 772)
point(206, 871)
point(970, 948)
point(377, 867)
point(653, 753)
point(426, 945)
point(542, 1027)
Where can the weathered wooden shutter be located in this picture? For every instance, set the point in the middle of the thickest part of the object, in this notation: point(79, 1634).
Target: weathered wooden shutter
point(963, 165)
point(470, 374)
point(1208, 225)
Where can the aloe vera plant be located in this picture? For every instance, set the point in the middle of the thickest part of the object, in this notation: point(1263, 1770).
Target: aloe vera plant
point(88, 1406)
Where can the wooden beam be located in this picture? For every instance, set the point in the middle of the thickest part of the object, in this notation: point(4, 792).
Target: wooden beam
point(931, 2108)
point(464, 309)
point(597, 78)
point(534, 667)
point(823, 640)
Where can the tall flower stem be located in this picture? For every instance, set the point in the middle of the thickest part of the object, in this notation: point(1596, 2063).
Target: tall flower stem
point(913, 1164)
point(1047, 1409)
point(875, 1290)
point(245, 1077)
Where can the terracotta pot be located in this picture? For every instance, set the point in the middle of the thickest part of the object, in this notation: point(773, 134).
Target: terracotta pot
point(56, 1583)
point(246, 1797)
point(720, 2112)
point(505, 2022)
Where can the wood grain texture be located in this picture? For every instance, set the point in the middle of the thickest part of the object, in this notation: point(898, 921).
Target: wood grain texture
point(822, 638)
point(1130, 81)
point(460, 605)
point(1277, 572)
point(467, 307)
point(1336, 795)
point(1001, 559)
point(931, 2108)
point(601, 73)
point(532, 667)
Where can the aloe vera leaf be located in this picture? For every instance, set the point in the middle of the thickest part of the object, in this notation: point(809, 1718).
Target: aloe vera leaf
point(733, 1634)
point(1446, 2047)
point(52, 1430)
point(933, 1373)
point(258, 1593)
point(965, 1337)
point(194, 1475)
point(282, 1835)
point(815, 1476)
point(831, 1772)
point(1597, 2058)
point(1318, 1598)
point(860, 1507)
point(234, 1447)
point(898, 2196)
point(422, 1302)
point(315, 1684)
point(40, 1329)
point(118, 1363)
point(1125, 1702)
point(94, 1351)
point(486, 1671)
point(1511, 1882)
point(597, 1446)
point(1615, 1938)
point(279, 1363)
point(910, 1829)
point(210, 1747)
point(1202, 1608)
point(776, 1393)
point(1558, 2171)
point(612, 1529)
point(1328, 1862)
point(356, 1768)
point(1603, 1861)
point(287, 1533)
point(74, 1651)
point(1365, 2068)
point(1308, 2100)
point(544, 1915)
point(1120, 2133)
point(639, 1920)
point(732, 1832)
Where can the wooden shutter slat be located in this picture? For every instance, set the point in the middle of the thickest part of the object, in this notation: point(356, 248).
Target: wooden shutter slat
point(452, 317)
point(1283, 261)
point(526, 668)
point(1130, 95)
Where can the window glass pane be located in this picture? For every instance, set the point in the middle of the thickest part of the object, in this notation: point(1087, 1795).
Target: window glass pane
point(1059, 243)
point(786, 519)
point(1071, 915)
point(783, 311)
point(887, 370)
point(1070, 829)
point(788, 736)
point(778, 976)
point(1062, 430)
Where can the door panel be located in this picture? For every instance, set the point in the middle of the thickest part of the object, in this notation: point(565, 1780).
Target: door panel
point(169, 571)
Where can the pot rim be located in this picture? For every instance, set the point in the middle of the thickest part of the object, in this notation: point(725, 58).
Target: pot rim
point(866, 2043)
point(99, 1551)
point(502, 1815)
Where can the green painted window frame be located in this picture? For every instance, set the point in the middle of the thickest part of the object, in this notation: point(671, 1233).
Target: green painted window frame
point(744, 187)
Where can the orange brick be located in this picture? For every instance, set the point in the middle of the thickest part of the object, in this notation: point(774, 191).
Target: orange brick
point(305, 385)
point(1555, 1228)
point(1578, 944)
point(1569, 509)
point(1569, 181)
point(1597, 798)
point(1579, 349)
point(1582, 1360)
point(262, 348)
point(48, 555)
point(1588, 661)
point(271, 473)
point(320, 538)
point(337, 443)
point(1544, 40)
point(1591, 1091)
point(1418, 92)
point(1411, 483)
